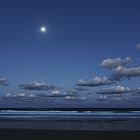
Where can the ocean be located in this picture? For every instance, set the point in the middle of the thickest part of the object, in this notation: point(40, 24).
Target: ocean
point(71, 120)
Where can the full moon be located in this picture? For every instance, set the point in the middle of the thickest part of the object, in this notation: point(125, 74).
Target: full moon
point(43, 29)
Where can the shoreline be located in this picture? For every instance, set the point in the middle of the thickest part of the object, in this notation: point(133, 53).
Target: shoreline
point(72, 109)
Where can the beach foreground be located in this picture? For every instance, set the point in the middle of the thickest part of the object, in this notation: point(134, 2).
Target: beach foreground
point(69, 125)
point(23, 134)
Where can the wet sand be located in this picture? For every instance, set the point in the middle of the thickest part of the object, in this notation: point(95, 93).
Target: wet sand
point(94, 125)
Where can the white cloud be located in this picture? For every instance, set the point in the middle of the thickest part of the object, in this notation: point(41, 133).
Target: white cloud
point(56, 93)
point(3, 81)
point(96, 81)
point(31, 95)
point(111, 63)
point(114, 90)
point(137, 90)
point(69, 97)
point(138, 46)
point(7, 95)
point(102, 98)
point(122, 72)
point(20, 95)
point(36, 86)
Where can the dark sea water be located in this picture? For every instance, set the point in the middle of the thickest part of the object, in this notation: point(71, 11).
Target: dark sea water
point(71, 120)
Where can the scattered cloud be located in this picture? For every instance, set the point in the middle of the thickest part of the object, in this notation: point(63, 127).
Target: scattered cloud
point(122, 72)
point(102, 98)
point(96, 81)
point(3, 82)
point(138, 46)
point(137, 90)
point(36, 86)
point(20, 95)
point(114, 90)
point(112, 63)
point(7, 95)
point(31, 95)
point(69, 97)
point(56, 93)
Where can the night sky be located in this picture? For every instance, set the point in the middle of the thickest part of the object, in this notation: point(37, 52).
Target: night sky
point(80, 35)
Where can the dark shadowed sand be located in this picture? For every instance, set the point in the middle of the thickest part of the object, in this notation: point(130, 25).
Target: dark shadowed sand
point(30, 134)
point(70, 130)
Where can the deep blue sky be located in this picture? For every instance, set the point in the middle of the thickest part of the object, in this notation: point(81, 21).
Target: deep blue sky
point(80, 35)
